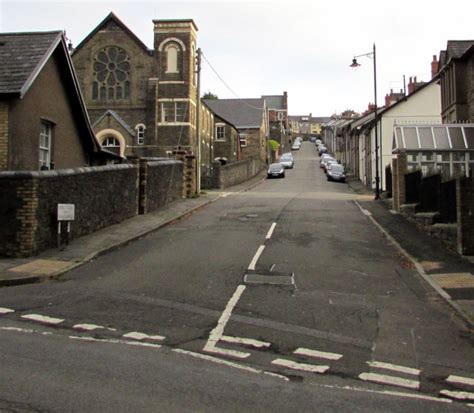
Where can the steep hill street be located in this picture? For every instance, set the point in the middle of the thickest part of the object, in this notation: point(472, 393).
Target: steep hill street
point(283, 292)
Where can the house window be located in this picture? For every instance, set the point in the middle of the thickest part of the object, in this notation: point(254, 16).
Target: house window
point(112, 144)
point(172, 112)
point(243, 140)
point(111, 72)
point(172, 59)
point(280, 115)
point(220, 132)
point(140, 130)
point(45, 146)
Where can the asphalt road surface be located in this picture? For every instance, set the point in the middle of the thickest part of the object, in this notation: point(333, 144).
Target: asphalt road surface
point(279, 298)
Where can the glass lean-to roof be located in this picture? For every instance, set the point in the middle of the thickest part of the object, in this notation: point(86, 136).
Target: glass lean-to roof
point(452, 137)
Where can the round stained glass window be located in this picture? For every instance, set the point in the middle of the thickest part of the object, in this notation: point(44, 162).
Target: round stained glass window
point(111, 72)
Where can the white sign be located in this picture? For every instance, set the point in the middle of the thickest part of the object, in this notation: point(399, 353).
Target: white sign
point(65, 212)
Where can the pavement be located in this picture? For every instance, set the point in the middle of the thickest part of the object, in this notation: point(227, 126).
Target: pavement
point(450, 274)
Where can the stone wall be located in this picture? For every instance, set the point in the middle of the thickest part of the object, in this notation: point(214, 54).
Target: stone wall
point(161, 182)
point(231, 174)
point(4, 107)
point(465, 215)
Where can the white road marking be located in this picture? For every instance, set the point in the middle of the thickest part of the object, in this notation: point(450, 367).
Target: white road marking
point(20, 330)
point(42, 318)
point(245, 341)
point(270, 231)
point(300, 366)
point(226, 194)
point(87, 327)
point(395, 381)
point(6, 310)
point(317, 354)
point(459, 395)
point(115, 341)
point(276, 375)
point(460, 380)
point(366, 212)
point(141, 336)
point(394, 367)
point(225, 352)
point(253, 263)
point(218, 331)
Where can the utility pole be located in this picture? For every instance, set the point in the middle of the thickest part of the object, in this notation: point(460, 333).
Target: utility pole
point(198, 120)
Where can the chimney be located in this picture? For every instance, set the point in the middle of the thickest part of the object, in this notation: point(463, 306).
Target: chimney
point(434, 66)
point(411, 86)
point(285, 100)
point(387, 100)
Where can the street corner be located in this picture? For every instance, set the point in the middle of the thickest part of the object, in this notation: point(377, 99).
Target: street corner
point(39, 267)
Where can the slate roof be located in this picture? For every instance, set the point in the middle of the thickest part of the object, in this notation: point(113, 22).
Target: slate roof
point(274, 102)
point(242, 113)
point(312, 119)
point(118, 118)
point(22, 56)
point(456, 48)
point(112, 17)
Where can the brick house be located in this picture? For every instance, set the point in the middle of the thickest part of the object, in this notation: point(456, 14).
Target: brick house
point(456, 65)
point(142, 101)
point(43, 120)
point(278, 119)
point(250, 118)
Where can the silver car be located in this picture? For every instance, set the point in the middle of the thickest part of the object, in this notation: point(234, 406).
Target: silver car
point(287, 161)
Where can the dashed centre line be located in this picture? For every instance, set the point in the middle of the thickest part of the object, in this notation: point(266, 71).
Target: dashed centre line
point(300, 366)
point(459, 395)
point(42, 318)
point(87, 327)
point(395, 381)
point(394, 367)
point(270, 231)
point(460, 380)
point(142, 336)
point(253, 263)
point(317, 354)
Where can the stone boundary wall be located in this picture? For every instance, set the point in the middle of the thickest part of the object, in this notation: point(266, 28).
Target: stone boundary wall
point(233, 173)
point(102, 195)
point(161, 182)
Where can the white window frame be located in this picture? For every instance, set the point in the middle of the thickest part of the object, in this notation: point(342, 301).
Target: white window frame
point(220, 126)
point(243, 139)
point(280, 115)
point(140, 133)
point(172, 59)
point(45, 145)
point(174, 113)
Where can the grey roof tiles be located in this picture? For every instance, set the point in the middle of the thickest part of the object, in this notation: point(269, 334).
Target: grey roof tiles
point(242, 113)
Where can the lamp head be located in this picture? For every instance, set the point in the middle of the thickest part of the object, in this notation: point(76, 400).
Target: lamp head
point(354, 63)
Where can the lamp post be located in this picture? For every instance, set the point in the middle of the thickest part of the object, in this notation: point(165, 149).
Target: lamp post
point(356, 64)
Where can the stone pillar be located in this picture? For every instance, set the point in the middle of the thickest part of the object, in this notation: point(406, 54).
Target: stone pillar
point(399, 168)
point(189, 176)
point(3, 136)
point(465, 215)
point(27, 194)
point(142, 187)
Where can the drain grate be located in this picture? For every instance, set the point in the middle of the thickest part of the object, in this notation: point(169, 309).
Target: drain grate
point(270, 278)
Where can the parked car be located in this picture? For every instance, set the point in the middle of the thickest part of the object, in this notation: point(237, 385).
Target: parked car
point(312, 139)
point(318, 142)
point(287, 154)
point(276, 170)
point(296, 146)
point(335, 172)
point(322, 149)
point(287, 161)
point(324, 159)
point(328, 163)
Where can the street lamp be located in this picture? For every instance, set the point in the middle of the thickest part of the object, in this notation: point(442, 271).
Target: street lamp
point(356, 64)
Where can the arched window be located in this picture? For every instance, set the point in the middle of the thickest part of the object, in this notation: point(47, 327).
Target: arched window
point(112, 144)
point(172, 59)
point(111, 66)
point(140, 133)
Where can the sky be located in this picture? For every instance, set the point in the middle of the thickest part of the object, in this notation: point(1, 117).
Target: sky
point(268, 47)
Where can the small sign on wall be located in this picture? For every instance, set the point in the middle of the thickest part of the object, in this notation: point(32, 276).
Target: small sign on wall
point(66, 212)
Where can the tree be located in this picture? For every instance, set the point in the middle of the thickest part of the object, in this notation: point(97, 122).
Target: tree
point(209, 95)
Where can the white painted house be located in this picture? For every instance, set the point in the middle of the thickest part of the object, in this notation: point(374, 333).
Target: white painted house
point(423, 106)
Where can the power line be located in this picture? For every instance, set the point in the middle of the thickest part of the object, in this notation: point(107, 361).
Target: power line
point(226, 85)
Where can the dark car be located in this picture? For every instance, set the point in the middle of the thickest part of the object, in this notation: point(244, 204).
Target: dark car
point(276, 170)
point(335, 172)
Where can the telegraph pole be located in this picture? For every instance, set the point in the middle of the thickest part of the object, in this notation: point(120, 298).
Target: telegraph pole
point(198, 121)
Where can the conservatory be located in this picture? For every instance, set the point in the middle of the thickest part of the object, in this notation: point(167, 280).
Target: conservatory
point(446, 149)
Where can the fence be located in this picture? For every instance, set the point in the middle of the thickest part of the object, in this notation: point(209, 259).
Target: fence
point(412, 187)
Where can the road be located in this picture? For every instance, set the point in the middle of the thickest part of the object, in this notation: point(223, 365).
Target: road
point(285, 296)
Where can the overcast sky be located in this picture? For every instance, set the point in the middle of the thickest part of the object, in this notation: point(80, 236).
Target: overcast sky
point(267, 47)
